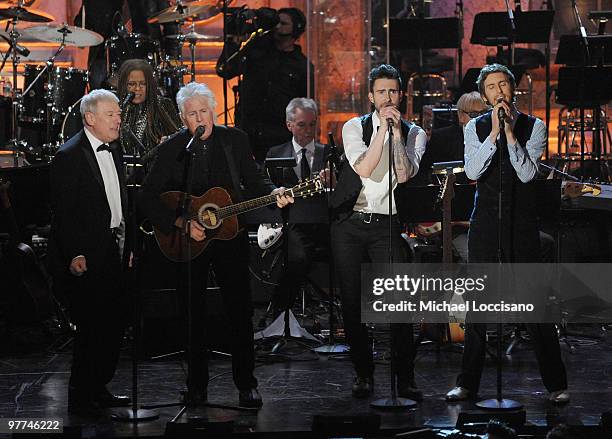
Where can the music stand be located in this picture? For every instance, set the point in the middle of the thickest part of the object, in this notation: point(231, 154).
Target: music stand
point(424, 33)
point(594, 87)
point(418, 204)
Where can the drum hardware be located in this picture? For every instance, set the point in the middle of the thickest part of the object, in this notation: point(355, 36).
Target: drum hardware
point(15, 14)
point(19, 12)
point(120, 48)
point(183, 11)
point(188, 12)
point(47, 67)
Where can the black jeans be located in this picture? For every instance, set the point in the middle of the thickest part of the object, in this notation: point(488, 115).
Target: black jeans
point(354, 242)
point(482, 247)
point(229, 260)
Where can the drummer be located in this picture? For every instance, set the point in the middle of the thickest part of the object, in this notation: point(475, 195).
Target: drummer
point(149, 116)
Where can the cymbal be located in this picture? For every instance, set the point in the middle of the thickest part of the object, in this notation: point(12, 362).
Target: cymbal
point(25, 14)
point(195, 36)
point(196, 10)
point(53, 33)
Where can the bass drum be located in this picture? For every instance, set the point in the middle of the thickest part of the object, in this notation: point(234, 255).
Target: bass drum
point(72, 122)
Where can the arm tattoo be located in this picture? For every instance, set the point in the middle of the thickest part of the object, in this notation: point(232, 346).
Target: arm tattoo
point(360, 158)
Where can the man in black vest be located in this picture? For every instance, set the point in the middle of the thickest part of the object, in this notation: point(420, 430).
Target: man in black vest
point(516, 149)
point(222, 158)
point(360, 233)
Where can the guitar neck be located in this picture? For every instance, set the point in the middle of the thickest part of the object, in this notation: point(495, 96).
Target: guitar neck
point(246, 206)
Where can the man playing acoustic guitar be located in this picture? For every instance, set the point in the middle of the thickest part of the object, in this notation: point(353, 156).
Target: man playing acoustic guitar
point(221, 158)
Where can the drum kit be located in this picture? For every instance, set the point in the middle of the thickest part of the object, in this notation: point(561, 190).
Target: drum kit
point(50, 100)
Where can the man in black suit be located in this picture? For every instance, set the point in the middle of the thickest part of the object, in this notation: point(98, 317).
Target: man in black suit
point(311, 159)
point(222, 158)
point(89, 203)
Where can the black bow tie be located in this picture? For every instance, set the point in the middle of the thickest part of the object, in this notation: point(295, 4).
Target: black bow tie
point(105, 147)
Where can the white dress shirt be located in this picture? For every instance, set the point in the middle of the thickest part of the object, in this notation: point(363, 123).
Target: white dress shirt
point(297, 148)
point(110, 178)
point(374, 195)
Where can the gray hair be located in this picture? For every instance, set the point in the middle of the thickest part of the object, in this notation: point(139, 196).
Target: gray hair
point(192, 90)
point(303, 104)
point(89, 102)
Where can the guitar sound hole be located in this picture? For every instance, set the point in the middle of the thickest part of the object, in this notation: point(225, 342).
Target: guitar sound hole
point(209, 219)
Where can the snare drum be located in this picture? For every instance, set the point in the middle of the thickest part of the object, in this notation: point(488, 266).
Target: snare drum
point(120, 49)
point(58, 87)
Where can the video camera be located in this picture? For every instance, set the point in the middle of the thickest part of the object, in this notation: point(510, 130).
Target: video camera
point(243, 21)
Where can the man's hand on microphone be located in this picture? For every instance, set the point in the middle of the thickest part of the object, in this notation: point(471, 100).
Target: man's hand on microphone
point(390, 113)
point(505, 107)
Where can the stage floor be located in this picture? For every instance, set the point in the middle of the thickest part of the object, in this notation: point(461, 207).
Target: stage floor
point(35, 385)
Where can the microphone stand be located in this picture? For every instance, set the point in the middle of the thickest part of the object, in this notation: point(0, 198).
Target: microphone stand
point(499, 403)
point(331, 347)
point(134, 414)
point(581, 86)
point(513, 34)
point(394, 402)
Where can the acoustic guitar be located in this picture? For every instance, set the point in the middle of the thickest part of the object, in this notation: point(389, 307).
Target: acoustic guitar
point(216, 212)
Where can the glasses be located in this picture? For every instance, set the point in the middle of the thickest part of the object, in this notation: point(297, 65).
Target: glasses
point(474, 114)
point(141, 84)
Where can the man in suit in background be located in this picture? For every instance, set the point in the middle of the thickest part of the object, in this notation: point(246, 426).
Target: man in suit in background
point(89, 202)
point(311, 158)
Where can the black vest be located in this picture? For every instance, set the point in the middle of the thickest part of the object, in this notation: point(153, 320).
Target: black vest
point(349, 184)
point(518, 198)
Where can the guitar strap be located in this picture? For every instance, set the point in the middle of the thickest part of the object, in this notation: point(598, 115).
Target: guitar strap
point(227, 148)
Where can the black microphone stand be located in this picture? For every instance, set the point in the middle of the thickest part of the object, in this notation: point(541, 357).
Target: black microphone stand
point(499, 403)
point(394, 402)
point(331, 347)
point(134, 414)
point(585, 60)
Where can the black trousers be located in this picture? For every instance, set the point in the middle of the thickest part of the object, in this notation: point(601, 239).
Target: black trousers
point(355, 242)
point(99, 308)
point(302, 248)
point(229, 261)
point(482, 247)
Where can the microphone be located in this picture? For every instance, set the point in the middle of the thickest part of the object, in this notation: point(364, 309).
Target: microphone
point(390, 122)
point(128, 99)
point(196, 135)
point(501, 114)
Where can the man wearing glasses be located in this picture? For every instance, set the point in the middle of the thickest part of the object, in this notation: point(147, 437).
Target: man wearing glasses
point(446, 144)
